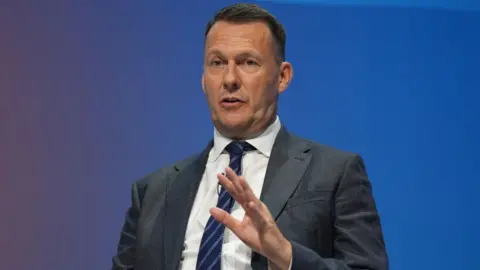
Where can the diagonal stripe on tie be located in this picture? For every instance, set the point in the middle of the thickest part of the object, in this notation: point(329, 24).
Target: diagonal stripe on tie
point(210, 251)
point(204, 261)
point(214, 262)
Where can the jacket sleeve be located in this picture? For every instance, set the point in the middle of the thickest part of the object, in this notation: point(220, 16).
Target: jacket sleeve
point(358, 239)
point(125, 256)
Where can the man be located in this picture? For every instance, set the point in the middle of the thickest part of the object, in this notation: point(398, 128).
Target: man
point(257, 197)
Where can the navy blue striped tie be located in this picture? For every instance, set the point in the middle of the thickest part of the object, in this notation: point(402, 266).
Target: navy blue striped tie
point(210, 251)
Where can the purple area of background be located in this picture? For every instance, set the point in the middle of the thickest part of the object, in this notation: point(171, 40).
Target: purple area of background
point(96, 94)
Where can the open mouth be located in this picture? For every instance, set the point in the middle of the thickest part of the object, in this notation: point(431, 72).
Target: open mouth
point(231, 100)
point(231, 103)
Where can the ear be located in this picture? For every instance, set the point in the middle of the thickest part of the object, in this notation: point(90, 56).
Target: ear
point(285, 76)
point(203, 82)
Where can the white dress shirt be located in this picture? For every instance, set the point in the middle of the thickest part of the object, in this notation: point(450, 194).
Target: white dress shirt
point(235, 254)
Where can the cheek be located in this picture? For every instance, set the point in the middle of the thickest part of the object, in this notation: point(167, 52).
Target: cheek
point(210, 92)
point(212, 80)
point(263, 99)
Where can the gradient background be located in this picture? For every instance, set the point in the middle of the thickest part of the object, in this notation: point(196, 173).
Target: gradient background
point(96, 94)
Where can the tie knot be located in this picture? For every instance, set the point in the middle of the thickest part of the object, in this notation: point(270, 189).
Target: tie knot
point(238, 148)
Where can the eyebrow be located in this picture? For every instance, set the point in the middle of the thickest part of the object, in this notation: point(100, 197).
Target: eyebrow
point(214, 52)
point(248, 53)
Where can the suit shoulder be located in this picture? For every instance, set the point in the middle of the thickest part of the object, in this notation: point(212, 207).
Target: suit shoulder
point(332, 151)
point(164, 172)
point(335, 162)
point(325, 149)
point(330, 154)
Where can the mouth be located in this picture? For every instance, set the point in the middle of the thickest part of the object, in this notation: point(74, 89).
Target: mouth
point(230, 102)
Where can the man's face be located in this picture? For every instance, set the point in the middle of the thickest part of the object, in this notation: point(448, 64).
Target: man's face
point(242, 77)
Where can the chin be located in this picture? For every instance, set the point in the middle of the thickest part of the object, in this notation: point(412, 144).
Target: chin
point(234, 124)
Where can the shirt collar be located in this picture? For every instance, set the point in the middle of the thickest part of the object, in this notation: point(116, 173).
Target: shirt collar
point(263, 143)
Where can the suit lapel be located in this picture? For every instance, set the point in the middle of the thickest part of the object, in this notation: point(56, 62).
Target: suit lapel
point(179, 202)
point(288, 162)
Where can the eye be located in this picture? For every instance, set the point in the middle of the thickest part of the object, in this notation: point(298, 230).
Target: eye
point(250, 62)
point(216, 62)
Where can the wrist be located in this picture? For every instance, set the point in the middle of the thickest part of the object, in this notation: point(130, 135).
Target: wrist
point(283, 259)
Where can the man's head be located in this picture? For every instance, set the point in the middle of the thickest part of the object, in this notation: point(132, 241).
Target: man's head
point(244, 69)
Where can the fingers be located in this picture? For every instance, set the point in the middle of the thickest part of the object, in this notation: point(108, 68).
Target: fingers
point(260, 216)
point(237, 180)
point(242, 193)
point(247, 190)
point(231, 182)
point(227, 184)
point(225, 218)
point(242, 189)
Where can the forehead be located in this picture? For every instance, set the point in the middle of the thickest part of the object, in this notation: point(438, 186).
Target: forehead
point(234, 37)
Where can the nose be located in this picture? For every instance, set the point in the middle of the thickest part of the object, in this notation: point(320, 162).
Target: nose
point(231, 81)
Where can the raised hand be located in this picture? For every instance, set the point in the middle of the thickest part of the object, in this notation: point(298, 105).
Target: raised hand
point(258, 229)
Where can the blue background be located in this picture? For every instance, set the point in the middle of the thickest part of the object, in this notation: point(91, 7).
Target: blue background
point(96, 94)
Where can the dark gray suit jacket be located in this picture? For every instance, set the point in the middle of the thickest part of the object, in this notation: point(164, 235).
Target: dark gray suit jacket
point(320, 198)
